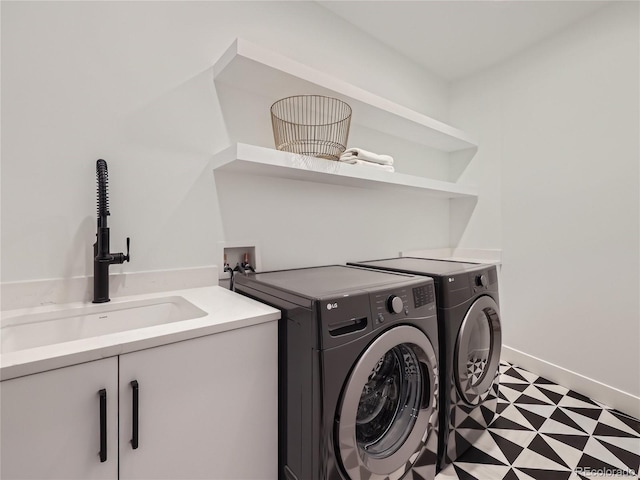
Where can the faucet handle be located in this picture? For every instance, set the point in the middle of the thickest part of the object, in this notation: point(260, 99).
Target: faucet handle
point(127, 258)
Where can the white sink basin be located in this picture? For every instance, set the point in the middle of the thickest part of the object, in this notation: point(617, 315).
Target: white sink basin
point(48, 328)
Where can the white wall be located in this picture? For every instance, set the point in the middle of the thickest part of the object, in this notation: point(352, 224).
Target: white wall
point(560, 126)
point(131, 82)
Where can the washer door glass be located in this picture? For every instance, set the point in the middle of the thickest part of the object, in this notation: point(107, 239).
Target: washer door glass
point(391, 395)
point(478, 350)
point(387, 405)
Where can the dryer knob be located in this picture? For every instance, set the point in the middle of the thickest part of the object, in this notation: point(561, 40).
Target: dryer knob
point(481, 280)
point(395, 304)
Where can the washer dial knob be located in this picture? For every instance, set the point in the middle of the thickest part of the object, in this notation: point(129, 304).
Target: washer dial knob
point(395, 304)
point(481, 280)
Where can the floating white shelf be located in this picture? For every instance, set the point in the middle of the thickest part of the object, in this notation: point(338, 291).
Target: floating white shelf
point(254, 160)
point(254, 68)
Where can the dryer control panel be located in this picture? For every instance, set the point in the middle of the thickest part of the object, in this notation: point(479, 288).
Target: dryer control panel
point(482, 280)
point(457, 288)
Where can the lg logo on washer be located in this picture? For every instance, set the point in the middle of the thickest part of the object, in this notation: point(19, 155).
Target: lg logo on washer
point(331, 306)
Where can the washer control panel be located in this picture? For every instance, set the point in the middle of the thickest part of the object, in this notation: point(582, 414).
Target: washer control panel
point(423, 295)
point(395, 304)
point(408, 302)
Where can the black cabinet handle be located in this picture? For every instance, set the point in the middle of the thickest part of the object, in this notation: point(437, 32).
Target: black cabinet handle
point(134, 437)
point(103, 425)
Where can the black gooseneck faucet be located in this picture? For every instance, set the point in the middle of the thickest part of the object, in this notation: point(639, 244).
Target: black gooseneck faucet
point(102, 258)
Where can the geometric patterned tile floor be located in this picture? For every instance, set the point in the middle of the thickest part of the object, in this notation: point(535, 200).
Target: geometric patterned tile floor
point(544, 431)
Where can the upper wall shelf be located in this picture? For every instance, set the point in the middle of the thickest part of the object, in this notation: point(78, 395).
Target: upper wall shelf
point(253, 160)
point(251, 67)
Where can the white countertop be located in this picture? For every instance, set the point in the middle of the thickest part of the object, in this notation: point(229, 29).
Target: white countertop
point(225, 310)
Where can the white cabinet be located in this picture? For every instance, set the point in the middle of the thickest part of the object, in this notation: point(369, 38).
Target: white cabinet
point(207, 409)
point(51, 423)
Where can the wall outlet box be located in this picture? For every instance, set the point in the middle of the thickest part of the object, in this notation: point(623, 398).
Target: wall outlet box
point(237, 253)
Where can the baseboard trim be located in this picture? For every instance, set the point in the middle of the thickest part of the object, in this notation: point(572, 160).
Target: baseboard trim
point(605, 394)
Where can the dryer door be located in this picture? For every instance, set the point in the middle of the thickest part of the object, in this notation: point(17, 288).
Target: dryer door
point(388, 407)
point(477, 354)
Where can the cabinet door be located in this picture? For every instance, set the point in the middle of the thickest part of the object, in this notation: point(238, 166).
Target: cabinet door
point(207, 408)
point(51, 423)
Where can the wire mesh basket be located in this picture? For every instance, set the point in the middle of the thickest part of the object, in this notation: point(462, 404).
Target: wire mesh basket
point(312, 125)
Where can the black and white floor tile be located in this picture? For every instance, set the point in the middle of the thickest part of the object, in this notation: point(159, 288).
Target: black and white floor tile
point(544, 431)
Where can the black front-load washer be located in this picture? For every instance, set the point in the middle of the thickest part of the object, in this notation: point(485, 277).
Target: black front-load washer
point(470, 344)
point(358, 372)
